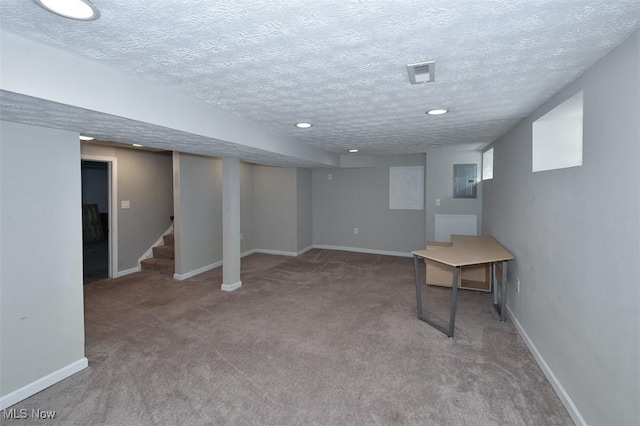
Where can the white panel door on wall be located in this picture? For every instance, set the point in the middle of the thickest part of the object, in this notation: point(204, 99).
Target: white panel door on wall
point(460, 224)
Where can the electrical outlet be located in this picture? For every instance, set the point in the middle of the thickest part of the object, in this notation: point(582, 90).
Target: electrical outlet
point(437, 202)
point(355, 230)
point(518, 285)
point(329, 176)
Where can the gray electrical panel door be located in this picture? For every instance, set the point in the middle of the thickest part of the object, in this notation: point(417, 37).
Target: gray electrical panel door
point(464, 180)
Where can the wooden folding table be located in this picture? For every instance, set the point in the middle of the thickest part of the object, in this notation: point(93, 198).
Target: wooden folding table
point(465, 250)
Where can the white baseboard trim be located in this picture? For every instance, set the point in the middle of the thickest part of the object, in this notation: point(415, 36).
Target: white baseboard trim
point(363, 250)
point(324, 247)
point(555, 383)
point(128, 271)
point(277, 252)
point(198, 271)
point(304, 250)
point(42, 383)
point(247, 253)
point(231, 287)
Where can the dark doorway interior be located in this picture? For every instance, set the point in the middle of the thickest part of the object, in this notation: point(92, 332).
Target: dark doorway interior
point(95, 220)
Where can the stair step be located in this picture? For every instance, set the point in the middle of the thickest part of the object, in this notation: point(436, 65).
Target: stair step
point(164, 252)
point(165, 266)
point(168, 239)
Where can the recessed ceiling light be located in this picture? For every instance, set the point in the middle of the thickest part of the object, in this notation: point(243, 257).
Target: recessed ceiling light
point(437, 111)
point(86, 138)
point(303, 125)
point(137, 145)
point(353, 150)
point(82, 10)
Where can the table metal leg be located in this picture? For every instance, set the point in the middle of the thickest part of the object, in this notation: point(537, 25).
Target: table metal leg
point(500, 305)
point(416, 264)
point(454, 299)
point(494, 283)
point(503, 302)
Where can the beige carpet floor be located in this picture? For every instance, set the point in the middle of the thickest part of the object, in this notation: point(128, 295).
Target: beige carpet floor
point(327, 338)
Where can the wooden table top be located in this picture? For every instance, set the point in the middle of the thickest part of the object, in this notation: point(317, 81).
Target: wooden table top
point(465, 250)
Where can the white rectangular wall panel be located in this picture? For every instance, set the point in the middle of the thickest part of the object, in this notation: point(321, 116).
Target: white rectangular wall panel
point(406, 188)
point(455, 224)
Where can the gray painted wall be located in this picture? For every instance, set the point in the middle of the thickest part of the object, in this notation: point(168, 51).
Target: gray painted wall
point(275, 208)
point(439, 185)
point(41, 300)
point(305, 213)
point(575, 235)
point(359, 197)
point(198, 213)
point(198, 225)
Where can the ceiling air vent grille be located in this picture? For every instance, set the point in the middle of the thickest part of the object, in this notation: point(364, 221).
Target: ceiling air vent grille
point(423, 72)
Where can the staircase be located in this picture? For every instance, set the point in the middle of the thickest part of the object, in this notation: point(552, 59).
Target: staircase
point(163, 260)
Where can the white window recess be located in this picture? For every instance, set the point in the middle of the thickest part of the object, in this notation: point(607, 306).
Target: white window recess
point(487, 164)
point(557, 137)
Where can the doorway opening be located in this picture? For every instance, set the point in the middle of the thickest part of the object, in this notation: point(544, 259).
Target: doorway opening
point(99, 225)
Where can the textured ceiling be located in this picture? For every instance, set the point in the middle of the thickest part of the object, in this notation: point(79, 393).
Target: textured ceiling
point(341, 64)
point(37, 112)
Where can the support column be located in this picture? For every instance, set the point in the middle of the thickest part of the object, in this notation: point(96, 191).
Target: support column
point(177, 217)
point(230, 224)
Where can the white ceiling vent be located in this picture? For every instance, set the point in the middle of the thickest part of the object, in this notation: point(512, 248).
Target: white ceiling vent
point(423, 72)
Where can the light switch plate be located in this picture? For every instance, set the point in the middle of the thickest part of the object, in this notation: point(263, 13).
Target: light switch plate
point(125, 204)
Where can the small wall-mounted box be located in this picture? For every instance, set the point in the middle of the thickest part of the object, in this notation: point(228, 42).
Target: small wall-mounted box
point(465, 181)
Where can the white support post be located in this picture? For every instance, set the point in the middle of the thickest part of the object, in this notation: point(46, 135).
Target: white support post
point(230, 224)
